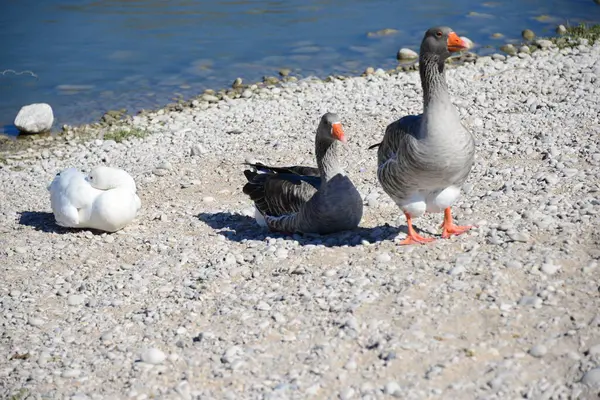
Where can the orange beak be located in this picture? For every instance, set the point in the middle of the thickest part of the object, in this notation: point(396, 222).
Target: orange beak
point(337, 132)
point(455, 43)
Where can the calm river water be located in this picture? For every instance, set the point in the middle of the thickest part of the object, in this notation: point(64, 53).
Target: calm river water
point(87, 57)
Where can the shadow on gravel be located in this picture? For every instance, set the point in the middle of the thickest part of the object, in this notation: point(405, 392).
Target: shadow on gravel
point(237, 228)
point(41, 221)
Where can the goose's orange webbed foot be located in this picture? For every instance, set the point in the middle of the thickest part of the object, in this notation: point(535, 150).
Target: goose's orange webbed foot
point(413, 237)
point(449, 228)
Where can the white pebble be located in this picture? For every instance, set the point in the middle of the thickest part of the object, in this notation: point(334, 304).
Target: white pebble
point(281, 253)
point(538, 351)
point(71, 373)
point(457, 270)
point(393, 389)
point(347, 394)
point(263, 306)
point(153, 356)
point(75, 300)
point(35, 321)
point(384, 257)
point(549, 269)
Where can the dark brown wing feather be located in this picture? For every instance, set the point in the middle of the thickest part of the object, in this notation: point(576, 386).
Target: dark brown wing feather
point(277, 194)
point(296, 169)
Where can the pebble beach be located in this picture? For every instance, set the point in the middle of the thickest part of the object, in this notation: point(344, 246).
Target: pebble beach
point(194, 301)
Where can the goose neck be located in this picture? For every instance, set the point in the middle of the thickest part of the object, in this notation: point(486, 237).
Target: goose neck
point(433, 79)
point(328, 158)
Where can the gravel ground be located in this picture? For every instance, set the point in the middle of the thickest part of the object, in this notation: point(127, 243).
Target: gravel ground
point(193, 300)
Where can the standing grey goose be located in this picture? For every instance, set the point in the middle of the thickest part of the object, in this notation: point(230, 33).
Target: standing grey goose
point(424, 159)
point(306, 199)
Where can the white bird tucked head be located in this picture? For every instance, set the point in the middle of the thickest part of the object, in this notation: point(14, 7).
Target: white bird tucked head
point(106, 178)
point(64, 178)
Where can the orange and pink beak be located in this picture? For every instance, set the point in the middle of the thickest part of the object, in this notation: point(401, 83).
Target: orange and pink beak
point(455, 43)
point(337, 132)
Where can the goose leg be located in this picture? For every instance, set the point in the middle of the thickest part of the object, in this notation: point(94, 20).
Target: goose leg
point(449, 228)
point(413, 237)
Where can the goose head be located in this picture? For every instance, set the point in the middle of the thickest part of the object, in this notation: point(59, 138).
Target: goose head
point(442, 41)
point(330, 128)
point(106, 178)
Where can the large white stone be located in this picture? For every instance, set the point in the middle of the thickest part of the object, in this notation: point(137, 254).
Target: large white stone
point(35, 118)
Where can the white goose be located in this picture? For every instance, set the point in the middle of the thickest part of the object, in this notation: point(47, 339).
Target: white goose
point(105, 200)
point(424, 159)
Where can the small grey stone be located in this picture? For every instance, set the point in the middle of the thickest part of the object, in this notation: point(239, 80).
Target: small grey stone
point(393, 389)
point(237, 83)
point(458, 270)
point(509, 49)
point(247, 93)
point(71, 373)
point(543, 43)
point(351, 365)
point(232, 354)
point(384, 257)
point(592, 378)
point(165, 165)
point(549, 268)
point(407, 54)
point(528, 34)
point(210, 98)
point(197, 150)
point(561, 30)
point(513, 264)
point(75, 300)
point(160, 171)
point(533, 301)
point(538, 351)
point(347, 394)
point(281, 253)
point(153, 356)
point(263, 306)
point(313, 390)
point(518, 236)
point(35, 321)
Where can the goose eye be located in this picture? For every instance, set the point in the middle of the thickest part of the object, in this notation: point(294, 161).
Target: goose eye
point(438, 34)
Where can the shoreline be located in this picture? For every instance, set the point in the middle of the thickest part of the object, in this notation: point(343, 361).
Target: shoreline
point(121, 120)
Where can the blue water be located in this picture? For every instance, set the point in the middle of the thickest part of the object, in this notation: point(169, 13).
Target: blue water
point(91, 56)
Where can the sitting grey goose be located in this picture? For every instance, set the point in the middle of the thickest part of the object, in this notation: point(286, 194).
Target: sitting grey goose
point(424, 159)
point(304, 199)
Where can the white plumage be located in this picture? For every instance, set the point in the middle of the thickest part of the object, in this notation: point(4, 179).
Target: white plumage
point(106, 199)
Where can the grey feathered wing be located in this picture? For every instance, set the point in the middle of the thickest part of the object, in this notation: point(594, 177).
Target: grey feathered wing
point(395, 154)
point(279, 193)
